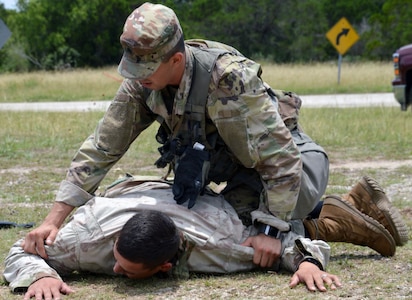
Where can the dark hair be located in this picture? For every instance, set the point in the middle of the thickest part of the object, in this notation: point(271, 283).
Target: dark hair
point(179, 47)
point(149, 237)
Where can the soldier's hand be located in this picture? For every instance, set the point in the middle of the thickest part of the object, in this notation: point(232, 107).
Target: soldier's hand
point(267, 249)
point(47, 288)
point(314, 278)
point(190, 176)
point(37, 238)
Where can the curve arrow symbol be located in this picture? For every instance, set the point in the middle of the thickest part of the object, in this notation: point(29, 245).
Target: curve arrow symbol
point(345, 32)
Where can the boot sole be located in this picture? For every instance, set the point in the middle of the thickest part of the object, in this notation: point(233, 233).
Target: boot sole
point(371, 223)
point(396, 226)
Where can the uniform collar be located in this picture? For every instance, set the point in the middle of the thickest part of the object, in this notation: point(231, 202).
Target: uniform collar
point(185, 84)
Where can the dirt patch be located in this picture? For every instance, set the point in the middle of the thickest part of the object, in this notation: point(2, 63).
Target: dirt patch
point(26, 170)
point(379, 164)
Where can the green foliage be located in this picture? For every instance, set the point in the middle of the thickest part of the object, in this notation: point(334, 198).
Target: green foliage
point(64, 34)
point(391, 28)
point(307, 43)
point(49, 34)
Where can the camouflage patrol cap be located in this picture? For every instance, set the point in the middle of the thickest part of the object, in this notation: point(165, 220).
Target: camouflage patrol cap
point(150, 32)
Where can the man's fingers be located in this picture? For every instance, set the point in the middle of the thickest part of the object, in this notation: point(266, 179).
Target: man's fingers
point(55, 292)
point(294, 281)
point(310, 284)
point(52, 236)
point(247, 242)
point(28, 295)
point(314, 279)
point(327, 280)
point(266, 260)
point(257, 257)
point(28, 244)
point(266, 250)
point(65, 289)
point(320, 285)
point(40, 250)
point(335, 280)
point(39, 295)
point(308, 281)
point(331, 280)
point(49, 295)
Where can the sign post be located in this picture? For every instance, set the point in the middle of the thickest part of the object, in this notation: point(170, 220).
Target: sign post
point(4, 33)
point(342, 36)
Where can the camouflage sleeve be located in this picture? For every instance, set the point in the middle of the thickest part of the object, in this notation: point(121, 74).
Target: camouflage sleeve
point(22, 269)
point(126, 117)
point(250, 124)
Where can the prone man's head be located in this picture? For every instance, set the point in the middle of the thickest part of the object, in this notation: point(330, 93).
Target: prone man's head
point(151, 35)
point(146, 245)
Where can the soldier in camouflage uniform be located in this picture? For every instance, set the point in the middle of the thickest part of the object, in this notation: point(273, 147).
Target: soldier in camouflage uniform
point(208, 239)
point(275, 177)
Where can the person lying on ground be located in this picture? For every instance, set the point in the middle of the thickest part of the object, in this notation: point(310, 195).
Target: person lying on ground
point(137, 230)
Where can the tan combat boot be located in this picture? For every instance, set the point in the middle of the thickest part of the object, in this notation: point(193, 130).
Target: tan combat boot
point(368, 197)
point(340, 221)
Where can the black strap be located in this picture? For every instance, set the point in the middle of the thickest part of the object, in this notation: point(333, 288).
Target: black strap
point(268, 230)
point(312, 260)
point(7, 225)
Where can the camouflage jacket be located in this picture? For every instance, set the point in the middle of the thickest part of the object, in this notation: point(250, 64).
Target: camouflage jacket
point(211, 238)
point(238, 105)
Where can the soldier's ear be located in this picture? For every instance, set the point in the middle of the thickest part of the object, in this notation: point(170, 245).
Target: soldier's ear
point(177, 58)
point(166, 266)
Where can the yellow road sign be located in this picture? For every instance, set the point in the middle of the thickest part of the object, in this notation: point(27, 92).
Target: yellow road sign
point(342, 36)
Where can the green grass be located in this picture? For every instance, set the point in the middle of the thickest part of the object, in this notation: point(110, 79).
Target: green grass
point(102, 84)
point(361, 133)
point(36, 149)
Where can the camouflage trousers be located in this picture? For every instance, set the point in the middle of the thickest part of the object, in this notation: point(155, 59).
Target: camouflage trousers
point(245, 188)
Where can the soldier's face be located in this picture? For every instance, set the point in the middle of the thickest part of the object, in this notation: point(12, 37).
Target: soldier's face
point(131, 269)
point(158, 80)
point(168, 73)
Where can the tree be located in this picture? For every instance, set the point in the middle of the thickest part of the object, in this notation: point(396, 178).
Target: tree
point(391, 28)
point(66, 33)
point(306, 25)
point(50, 34)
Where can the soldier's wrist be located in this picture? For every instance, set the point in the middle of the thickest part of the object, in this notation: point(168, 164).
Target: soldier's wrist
point(312, 260)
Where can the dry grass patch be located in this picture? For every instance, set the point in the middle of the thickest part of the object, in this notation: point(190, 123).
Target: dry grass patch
point(79, 84)
point(102, 84)
point(322, 78)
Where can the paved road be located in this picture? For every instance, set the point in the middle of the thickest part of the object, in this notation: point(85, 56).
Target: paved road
point(344, 100)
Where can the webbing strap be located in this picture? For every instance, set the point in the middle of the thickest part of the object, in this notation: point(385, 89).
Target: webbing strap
point(204, 62)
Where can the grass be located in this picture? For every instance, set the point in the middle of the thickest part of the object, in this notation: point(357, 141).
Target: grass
point(79, 85)
point(360, 133)
point(101, 84)
point(36, 148)
point(322, 78)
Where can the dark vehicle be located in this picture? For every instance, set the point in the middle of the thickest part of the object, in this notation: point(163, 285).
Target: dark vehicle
point(402, 62)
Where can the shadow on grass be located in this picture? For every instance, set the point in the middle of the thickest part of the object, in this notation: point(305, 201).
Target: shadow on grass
point(343, 257)
point(163, 288)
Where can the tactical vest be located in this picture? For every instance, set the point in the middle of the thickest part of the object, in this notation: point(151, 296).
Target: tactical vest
point(196, 126)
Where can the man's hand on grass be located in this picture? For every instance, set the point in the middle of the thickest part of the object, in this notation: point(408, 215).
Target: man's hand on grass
point(47, 288)
point(314, 278)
